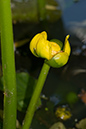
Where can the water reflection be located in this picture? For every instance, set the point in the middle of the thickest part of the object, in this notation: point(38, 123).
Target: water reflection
point(74, 20)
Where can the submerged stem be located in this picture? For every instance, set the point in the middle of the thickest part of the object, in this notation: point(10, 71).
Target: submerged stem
point(35, 96)
point(8, 65)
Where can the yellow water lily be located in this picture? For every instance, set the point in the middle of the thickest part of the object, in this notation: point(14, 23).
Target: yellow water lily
point(50, 50)
point(63, 112)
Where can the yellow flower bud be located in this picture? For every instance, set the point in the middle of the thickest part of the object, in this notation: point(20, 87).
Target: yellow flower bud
point(35, 40)
point(50, 50)
point(41, 47)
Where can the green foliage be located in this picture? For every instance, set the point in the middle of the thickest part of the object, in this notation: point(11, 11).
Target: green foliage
point(25, 87)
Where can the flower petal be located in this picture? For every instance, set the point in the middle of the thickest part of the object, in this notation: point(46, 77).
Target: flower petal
point(67, 46)
point(58, 42)
point(35, 40)
point(55, 48)
point(43, 49)
point(33, 44)
point(44, 34)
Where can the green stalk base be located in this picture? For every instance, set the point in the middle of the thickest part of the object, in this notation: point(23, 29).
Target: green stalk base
point(8, 65)
point(35, 96)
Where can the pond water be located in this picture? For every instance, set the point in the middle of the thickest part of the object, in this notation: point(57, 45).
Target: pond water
point(65, 86)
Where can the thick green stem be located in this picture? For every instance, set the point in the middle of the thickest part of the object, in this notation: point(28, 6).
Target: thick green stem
point(8, 64)
point(35, 96)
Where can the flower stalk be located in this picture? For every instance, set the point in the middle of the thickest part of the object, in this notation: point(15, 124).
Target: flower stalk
point(54, 56)
point(32, 106)
point(8, 66)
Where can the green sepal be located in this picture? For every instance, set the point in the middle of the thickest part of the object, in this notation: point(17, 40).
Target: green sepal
point(58, 60)
point(58, 42)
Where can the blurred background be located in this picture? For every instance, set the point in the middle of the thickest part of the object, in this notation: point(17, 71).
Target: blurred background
point(65, 87)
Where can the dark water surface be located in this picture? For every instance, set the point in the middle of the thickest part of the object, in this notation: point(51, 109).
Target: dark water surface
point(68, 79)
point(60, 82)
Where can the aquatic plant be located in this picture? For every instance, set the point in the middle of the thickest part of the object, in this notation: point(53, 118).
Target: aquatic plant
point(8, 65)
point(52, 51)
point(54, 56)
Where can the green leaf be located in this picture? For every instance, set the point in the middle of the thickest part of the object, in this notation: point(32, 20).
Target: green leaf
point(25, 87)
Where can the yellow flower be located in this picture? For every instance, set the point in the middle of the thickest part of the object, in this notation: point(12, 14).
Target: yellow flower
point(63, 112)
point(50, 50)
